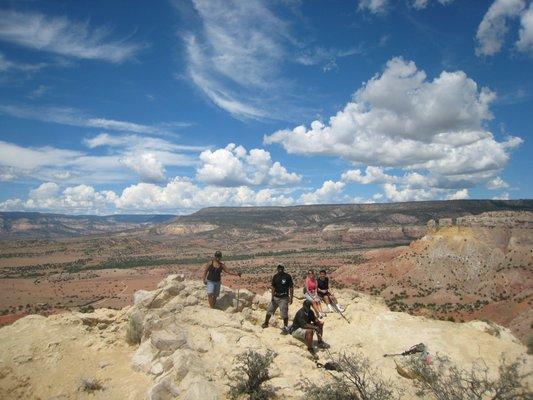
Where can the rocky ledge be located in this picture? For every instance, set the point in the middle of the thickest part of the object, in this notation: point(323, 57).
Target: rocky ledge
point(186, 350)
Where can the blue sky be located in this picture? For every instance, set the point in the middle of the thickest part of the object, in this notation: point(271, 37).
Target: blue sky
point(120, 107)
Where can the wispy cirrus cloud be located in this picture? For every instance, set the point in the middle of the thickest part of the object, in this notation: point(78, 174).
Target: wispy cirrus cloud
point(236, 57)
point(63, 36)
point(11, 65)
point(74, 117)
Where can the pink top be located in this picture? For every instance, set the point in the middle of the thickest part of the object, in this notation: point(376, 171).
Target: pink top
point(311, 285)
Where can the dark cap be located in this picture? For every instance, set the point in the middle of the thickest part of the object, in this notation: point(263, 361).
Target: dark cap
point(307, 303)
point(281, 267)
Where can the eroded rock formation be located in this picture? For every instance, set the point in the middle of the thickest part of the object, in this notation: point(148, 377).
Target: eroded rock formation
point(187, 350)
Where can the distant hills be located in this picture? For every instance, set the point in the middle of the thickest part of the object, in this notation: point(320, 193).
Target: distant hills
point(335, 217)
point(378, 214)
point(34, 224)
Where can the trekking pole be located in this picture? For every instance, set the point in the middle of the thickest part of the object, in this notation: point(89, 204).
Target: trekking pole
point(238, 298)
point(342, 315)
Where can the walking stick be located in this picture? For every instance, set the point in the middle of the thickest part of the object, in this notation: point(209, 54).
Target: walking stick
point(340, 312)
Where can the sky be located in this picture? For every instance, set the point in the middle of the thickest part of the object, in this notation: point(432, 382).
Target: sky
point(169, 107)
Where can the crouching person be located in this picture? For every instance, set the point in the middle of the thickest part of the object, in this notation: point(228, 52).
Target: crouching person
point(306, 325)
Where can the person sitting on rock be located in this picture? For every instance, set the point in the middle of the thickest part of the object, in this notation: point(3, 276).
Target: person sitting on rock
point(311, 294)
point(282, 289)
point(305, 325)
point(212, 277)
point(325, 294)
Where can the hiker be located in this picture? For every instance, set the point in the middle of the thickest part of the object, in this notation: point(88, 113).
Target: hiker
point(212, 277)
point(325, 294)
point(282, 293)
point(305, 325)
point(311, 294)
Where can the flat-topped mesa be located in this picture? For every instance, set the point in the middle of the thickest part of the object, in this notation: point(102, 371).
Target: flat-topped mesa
point(492, 219)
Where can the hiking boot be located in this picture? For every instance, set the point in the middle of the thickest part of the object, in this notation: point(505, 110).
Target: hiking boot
point(340, 308)
point(323, 345)
point(264, 325)
point(285, 330)
point(312, 352)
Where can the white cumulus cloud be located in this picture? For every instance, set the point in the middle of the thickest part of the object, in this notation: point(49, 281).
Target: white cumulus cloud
point(494, 26)
point(525, 41)
point(432, 129)
point(235, 166)
point(374, 6)
point(146, 165)
point(330, 192)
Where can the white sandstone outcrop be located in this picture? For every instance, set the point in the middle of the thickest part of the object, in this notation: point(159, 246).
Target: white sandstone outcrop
point(187, 350)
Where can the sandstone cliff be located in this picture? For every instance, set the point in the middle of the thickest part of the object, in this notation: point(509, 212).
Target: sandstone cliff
point(187, 350)
point(470, 267)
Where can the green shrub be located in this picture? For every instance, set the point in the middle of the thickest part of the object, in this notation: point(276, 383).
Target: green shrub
point(249, 376)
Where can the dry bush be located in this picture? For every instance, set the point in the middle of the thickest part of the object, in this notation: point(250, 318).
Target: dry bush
point(90, 385)
point(356, 381)
point(445, 381)
point(249, 376)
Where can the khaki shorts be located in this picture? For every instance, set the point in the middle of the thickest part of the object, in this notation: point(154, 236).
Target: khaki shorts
point(282, 303)
point(299, 334)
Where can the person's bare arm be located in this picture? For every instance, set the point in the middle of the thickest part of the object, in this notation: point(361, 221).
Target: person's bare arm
point(206, 269)
point(291, 294)
point(227, 271)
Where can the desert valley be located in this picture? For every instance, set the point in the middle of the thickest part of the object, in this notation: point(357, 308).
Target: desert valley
point(455, 260)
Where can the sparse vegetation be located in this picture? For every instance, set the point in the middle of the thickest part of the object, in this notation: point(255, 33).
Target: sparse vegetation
point(250, 375)
point(90, 385)
point(444, 381)
point(357, 381)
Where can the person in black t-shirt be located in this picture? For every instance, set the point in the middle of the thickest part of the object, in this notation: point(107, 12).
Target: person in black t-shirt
point(325, 294)
point(305, 325)
point(282, 289)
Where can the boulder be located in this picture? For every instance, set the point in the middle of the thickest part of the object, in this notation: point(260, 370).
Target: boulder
point(167, 342)
point(143, 357)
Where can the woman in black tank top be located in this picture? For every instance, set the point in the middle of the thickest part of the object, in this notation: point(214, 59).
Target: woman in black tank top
point(214, 273)
point(213, 276)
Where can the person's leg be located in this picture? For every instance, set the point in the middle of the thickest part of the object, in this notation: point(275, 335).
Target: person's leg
point(210, 287)
point(270, 311)
point(309, 339)
point(320, 330)
point(216, 293)
point(284, 310)
point(314, 304)
point(211, 299)
point(318, 307)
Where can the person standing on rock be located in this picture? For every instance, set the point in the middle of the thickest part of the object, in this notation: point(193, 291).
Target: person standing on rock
point(212, 277)
point(305, 325)
point(282, 294)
